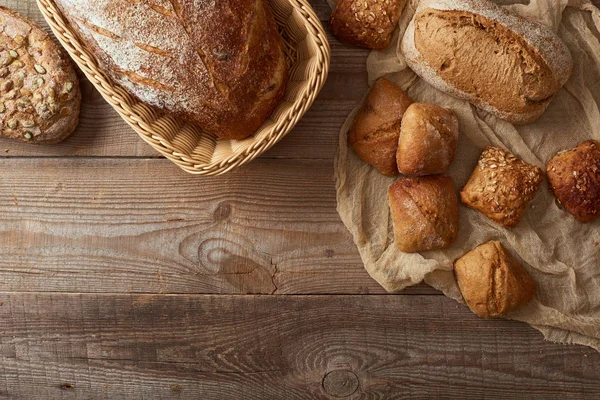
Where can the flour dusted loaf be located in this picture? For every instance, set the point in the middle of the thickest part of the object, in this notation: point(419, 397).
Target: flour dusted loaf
point(366, 23)
point(217, 64)
point(424, 211)
point(478, 51)
point(374, 133)
point(492, 281)
point(39, 90)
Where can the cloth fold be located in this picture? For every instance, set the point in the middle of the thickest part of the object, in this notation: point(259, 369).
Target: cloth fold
point(561, 254)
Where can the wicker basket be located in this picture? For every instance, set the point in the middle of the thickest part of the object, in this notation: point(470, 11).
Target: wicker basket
point(198, 152)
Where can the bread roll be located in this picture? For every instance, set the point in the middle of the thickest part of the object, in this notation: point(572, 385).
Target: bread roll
point(40, 96)
point(376, 128)
point(217, 64)
point(424, 211)
point(427, 140)
point(501, 186)
point(478, 51)
point(492, 282)
point(574, 178)
point(366, 23)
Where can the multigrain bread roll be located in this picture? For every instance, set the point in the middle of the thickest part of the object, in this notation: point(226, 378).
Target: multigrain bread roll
point(427, 140)
point(366, 23)
point(492, 282)
point(217, 64)
point(424, 211)
point(40, 96)
point(501, 186)
point(478, 51)
point(574, 178)
point(376, 128)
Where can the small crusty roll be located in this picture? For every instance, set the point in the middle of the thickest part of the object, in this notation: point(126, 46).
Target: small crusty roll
point(424, 212)
point(501, 186)
point(574, 178)
point(427, 140)
point(492, 282)
point(376, 128)
point(366, 23)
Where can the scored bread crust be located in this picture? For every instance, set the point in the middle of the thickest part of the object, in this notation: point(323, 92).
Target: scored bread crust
point(217, 64)
point(547, 45)
point(40, 96)
point(424, 211)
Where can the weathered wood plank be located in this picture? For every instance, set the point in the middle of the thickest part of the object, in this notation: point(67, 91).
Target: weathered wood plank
point(135, 225)
point(277, 347)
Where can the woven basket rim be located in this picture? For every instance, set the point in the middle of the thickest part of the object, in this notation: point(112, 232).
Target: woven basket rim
point(137, 118)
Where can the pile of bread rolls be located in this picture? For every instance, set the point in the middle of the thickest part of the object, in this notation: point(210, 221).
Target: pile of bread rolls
point(516, 69)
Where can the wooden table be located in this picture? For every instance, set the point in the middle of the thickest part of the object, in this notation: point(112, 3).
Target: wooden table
point(123, 277)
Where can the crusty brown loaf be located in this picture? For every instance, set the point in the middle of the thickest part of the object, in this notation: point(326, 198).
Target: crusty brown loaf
point(424, 211)
point(574, 178)
point(501, 186)
point(427, 140)
point(376, 128)
point(478, 51)
point(366, 23)
point(217, 64)
point(40, 96)
point(492, 282)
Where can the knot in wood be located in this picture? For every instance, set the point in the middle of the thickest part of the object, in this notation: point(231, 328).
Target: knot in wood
point(340, 383)
point(222, 212)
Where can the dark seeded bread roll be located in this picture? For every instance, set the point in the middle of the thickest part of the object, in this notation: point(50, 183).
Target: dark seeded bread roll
point(376, 128)
point(574, 178)
point(366, 23)
point(40, 96)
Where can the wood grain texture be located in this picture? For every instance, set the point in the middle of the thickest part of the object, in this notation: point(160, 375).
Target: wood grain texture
point(133, 225)
point(56, 346)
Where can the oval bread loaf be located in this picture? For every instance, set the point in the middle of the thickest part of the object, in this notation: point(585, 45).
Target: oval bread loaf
point(217, 64)
point(478, 51)
point(40, 96)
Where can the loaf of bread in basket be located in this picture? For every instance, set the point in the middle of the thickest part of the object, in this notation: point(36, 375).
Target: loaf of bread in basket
point(217, 64)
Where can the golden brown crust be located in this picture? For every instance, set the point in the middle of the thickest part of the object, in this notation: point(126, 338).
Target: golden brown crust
point(501, 186)
point(492, 282)
point(40, 97)
point(366, 23)
point(217, 64)
point(424, 211)
point(574, 178)
point(427, 140)
point(376, 128)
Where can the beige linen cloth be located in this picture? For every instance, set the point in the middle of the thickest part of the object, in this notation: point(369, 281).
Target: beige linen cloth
point(562, 255)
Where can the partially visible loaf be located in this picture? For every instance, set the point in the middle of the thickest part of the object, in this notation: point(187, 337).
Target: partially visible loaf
point(40, 96)
point(574, 178)
point(374, 133)
point(428, 139)
point(366, 23)
point(424, 211)
point(217, 64)
point(480, 52)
